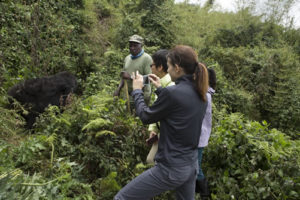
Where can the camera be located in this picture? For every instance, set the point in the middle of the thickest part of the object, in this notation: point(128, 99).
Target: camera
point(146, 80)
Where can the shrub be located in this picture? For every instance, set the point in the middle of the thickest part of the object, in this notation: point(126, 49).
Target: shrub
point(247, 160)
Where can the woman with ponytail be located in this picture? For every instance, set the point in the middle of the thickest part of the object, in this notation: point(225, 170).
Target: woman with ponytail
point(180, 110)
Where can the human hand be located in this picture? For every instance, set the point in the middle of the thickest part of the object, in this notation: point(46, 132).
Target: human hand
point(116, 93)
point(152, 139)
point(137, 81)
point(155, 80)
point(152, 134)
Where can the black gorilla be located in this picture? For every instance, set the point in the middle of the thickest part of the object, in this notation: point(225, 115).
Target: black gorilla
point(36, 94)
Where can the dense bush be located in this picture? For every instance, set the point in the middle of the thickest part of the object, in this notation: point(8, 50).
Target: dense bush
point(95, 139)
point(42, 38)
point(151, 19)
point(265, 76)
point(87, 142)
point(248, 160)
point(257, 58)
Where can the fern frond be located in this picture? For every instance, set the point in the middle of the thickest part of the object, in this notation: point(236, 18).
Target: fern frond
point(104, 132)
point(65, 121)
point(97, 124)
point(51, 139)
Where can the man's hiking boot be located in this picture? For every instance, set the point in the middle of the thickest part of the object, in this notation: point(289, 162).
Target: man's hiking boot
point(203, 188)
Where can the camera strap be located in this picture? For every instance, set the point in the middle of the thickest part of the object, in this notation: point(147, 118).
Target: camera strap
point(157, 125)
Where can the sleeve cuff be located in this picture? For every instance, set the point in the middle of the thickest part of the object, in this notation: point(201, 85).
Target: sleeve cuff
point(137, 91)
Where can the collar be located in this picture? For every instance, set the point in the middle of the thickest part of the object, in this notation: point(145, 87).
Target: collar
point(137, 56)
point(165, 80)
point(186, 77)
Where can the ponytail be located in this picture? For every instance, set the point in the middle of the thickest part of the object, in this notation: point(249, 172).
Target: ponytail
point(186, 58)
point(201, 80)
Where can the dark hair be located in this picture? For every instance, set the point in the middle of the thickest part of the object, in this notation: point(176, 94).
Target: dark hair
point(212, 78)
point(186, 58)
point(160, 58)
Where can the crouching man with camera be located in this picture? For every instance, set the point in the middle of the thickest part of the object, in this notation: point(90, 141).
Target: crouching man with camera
point(180, 110)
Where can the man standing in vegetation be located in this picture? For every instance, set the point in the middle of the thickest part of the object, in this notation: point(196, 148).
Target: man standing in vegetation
point(137, 60)
point(159, 67)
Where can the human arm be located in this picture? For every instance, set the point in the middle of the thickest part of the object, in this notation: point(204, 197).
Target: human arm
point(124, 75)
point(152, 134)
point(160, 108)
point(117, 91)
point(158, 111)
point(137, 82)
point(155, 80)
point(153, 129)
point(152, 139)
point(146, 66)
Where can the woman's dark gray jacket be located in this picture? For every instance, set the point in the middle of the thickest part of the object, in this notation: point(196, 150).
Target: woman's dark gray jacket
point(180, 112)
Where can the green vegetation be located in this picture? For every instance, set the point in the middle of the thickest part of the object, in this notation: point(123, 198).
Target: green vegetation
point(95, 146)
